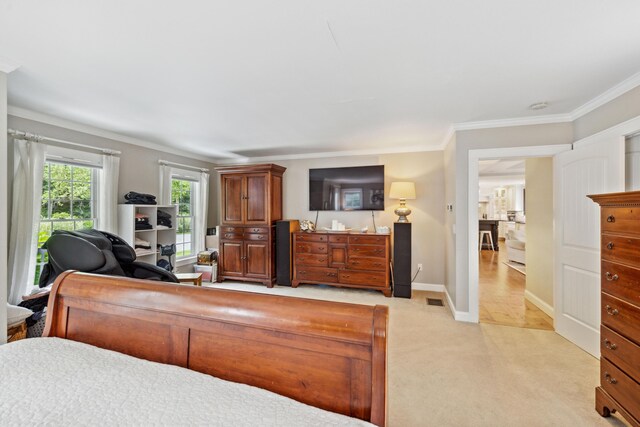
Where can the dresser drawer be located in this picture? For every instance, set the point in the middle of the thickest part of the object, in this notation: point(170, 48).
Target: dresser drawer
point(312, 260)
point(622, 352)
point(252, 236)
point(621, 316)
point(620, 219)
point(259, 230)
point(621, 281)
point(235, 230)
point(317, 274)
point(360, 263)
point(621, 387)
point(333, 238)
point(621, 249)
point(311, 248)
point(362, 278)
point(312, 237)
point(231, 236)
point(367, 240)
point(367, 251)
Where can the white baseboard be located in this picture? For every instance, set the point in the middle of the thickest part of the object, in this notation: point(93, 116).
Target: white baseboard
point(533, 299)
point(432, 287)
point(461, 316)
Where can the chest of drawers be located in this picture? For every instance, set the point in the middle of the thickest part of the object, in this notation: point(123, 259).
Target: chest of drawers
point(620, 306)
point(350, 260)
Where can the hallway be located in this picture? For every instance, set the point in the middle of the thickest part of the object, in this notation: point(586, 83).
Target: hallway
point(502, 295)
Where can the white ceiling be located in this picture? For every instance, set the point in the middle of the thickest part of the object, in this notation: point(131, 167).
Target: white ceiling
point(259, 78)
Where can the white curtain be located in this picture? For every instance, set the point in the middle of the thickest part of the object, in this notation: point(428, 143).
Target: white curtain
point(29, 160)
point(108, 194)
point(164, 198)
point(201, 210)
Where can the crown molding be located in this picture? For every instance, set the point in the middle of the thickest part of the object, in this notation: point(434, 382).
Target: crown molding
point(447, 137)
point(8, 65)
point(102, 133)
point(516, 121)
point(607, 96)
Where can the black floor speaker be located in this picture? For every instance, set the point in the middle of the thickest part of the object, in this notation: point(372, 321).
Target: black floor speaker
point(402, 259)
point(284, 250)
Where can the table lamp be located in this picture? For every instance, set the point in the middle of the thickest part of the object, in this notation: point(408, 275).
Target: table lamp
point(402, 191)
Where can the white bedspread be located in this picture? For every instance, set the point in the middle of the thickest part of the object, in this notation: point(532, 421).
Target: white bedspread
point(52, 381)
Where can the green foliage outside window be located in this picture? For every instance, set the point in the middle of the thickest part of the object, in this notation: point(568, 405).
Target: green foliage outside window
point(182, 196)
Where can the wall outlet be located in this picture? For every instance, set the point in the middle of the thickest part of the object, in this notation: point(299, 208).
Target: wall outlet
point(420, 267)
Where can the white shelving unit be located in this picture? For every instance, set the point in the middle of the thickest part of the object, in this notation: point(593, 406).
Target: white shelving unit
point(127, 229)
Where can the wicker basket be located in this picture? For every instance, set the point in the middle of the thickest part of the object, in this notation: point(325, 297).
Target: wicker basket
point(17, 331)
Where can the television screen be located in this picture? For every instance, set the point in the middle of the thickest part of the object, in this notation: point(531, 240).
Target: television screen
point(358, 188)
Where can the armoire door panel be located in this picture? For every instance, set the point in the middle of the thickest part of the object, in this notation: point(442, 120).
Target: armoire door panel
point(232, 259)
point(257, 255)
point(233, 194)
point(256, 199)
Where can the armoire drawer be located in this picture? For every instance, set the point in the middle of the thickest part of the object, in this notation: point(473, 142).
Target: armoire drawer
point(367, 251)
point(252, 236)
point(317, 274)
point(620, 219)
point(312, 237)
point(621, 249)
point(318, 260)
point(621, 316)
point(621, 387)
point(311, 248)
point(621, 281)
point(259, 230)
point(362, 263)
point(362, 278)
point(232, 236)
point(622, 352)
point(226, 229)
point(367, 240)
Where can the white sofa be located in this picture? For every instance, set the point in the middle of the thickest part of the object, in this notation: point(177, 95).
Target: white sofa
point(516, 245)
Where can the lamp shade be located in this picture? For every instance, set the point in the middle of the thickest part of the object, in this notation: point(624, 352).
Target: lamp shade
point(402, 190)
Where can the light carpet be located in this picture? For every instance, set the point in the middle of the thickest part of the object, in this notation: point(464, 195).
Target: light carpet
point(447, 373)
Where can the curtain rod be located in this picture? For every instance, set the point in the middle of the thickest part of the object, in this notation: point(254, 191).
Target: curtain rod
point(39, 138)
point(168, 163)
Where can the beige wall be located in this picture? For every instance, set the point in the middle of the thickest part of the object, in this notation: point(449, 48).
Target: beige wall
point(4, 214)
point(426, 169)
point(621, 109)
point(539, 212)
point(450, 218)
point(507, 137)
point(139, 169)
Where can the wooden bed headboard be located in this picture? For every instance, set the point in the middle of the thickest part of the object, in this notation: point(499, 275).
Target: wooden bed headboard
point(326, 354)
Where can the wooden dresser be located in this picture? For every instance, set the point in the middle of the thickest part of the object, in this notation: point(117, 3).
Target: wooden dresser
point(251, 203)
point(620, 311)
point(353, 260)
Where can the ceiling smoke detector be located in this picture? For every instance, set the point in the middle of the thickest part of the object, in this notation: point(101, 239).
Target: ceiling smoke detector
point(538, 106)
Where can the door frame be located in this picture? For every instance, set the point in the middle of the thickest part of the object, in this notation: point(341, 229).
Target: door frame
point(472, 215)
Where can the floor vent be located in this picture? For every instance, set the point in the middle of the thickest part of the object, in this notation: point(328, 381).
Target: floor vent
point(435, 301)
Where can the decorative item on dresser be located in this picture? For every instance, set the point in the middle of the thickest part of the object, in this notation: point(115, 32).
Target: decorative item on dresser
point(251, 204)
point(620, 311)
point(353, 260)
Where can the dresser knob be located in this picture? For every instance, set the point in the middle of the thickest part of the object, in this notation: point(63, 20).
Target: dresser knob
point(610, 245)
point(611, 311)
point(608, 344)
point(611, 218)
point(611, 277)
point(608, 378)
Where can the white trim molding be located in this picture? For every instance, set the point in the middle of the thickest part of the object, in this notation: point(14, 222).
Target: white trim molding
point(535, 300)
point(516, 121)
point(607, 96)
point(429, 287)
point(460, 316)
point(7, 65)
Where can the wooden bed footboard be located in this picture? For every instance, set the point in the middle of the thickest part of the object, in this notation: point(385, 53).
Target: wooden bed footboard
point(325, 354)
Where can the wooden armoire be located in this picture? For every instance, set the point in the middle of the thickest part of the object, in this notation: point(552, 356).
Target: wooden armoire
point(251, 203)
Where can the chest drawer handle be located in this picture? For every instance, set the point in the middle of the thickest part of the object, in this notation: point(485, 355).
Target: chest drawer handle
point(346, 275)
point(611, 277)
point(610, 245)
point(608, 344)
point(611, 311)
point(608, 378)
point(611, 218)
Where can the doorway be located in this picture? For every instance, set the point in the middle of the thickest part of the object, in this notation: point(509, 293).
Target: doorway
point(509, 295)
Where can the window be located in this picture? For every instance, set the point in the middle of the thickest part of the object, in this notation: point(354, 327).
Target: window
point(182, 195)
point(68, 203)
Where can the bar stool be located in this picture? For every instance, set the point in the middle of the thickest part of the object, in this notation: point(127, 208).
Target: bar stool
point(486, 233)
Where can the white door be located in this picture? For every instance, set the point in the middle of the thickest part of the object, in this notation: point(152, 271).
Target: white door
point(590, 168)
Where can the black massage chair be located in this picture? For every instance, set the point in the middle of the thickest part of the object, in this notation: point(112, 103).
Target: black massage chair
point(97, 252)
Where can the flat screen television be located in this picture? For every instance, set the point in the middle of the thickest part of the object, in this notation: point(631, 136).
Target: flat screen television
point(359, 188)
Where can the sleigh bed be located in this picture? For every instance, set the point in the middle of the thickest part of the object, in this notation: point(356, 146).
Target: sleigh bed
point(326, 355)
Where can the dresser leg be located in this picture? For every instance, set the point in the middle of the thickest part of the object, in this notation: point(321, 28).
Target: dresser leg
point(387, 293)
point(603, 403)
point(294, 284)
